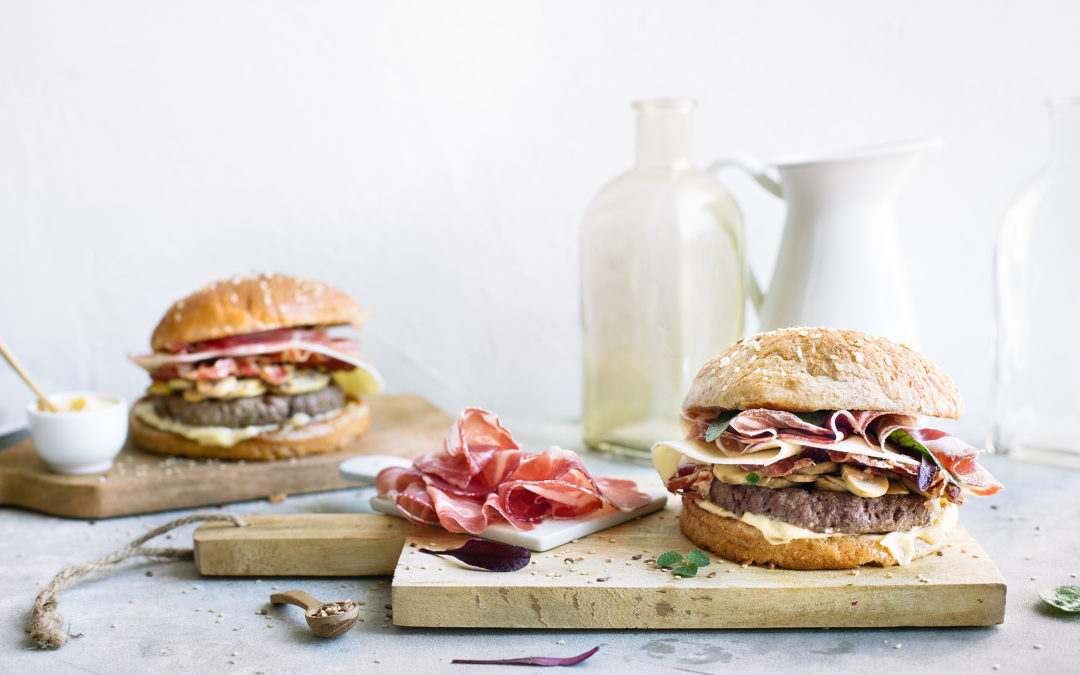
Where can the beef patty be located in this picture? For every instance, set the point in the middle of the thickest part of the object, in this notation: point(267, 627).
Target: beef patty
point(825, 511)
point(250, 410)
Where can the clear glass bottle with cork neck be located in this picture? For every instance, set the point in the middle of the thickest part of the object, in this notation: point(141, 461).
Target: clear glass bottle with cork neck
point(662, 285)
point(1036, 408)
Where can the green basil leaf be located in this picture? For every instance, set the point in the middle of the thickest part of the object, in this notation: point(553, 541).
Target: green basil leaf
point(720, 424)
point(752, 478)
point(905, 440)
point(698, 558)
point(669, 559)
point(819, 418)
point(1065, 598)
point(687, 570)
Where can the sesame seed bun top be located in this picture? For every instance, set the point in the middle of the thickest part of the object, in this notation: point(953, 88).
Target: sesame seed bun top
point(807, 369)
point(253, 303)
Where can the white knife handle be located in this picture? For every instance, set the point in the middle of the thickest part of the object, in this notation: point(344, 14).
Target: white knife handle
point(365, 468)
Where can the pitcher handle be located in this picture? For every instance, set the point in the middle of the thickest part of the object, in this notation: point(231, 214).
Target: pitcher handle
point(759, 171)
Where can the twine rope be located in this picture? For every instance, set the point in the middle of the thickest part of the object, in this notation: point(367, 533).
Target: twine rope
point(45, 622)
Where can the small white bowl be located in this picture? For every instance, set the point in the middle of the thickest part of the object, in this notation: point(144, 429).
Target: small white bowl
point(79, 441)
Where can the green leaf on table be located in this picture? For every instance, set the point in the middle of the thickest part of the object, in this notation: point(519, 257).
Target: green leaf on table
point(720, 424)
point(1065, 598)
point(697, 557)
point(687, 570)
point(669, 559)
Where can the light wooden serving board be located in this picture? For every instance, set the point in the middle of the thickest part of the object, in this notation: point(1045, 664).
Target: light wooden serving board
point(563, 587)
point(143, 482)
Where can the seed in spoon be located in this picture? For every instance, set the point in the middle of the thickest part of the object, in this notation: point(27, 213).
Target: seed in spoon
point(335, 608)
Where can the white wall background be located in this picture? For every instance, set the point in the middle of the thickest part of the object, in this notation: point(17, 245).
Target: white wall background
point(435, 159)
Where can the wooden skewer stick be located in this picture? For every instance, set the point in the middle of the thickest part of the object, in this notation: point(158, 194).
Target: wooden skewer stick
point(26, 376)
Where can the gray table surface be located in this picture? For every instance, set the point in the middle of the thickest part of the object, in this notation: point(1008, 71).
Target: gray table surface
point(177, 621)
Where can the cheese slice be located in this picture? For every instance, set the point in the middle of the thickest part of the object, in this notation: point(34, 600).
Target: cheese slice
point(358, 381)
point(857, 445)
point(900, 545)
point(667, 455)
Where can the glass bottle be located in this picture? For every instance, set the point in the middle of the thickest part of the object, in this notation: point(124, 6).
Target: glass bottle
point(1036, 408)
point(662, 285)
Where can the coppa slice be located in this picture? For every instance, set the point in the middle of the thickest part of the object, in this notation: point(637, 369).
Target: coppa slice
point(482, 477)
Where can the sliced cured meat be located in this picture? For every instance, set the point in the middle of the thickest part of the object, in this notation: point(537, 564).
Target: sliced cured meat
point(482, 476)
point(266, 336)
point(782, 468)
point(831, 431)
point(959, 458)
point(299, 346)
point(763, 424)
point(691, 479)
point(478, 449)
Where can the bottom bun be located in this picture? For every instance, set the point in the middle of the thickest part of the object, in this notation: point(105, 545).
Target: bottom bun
point(743, 543)
point(328, 434)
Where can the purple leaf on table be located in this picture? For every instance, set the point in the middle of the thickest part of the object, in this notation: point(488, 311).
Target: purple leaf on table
point(488, 555)
point(532, 660)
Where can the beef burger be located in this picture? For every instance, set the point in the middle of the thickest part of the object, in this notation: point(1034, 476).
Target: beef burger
point(804, 449)
point(245, 369)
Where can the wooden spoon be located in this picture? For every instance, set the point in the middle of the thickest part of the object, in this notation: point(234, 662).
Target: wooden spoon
point(329, 626)
point(26, 377)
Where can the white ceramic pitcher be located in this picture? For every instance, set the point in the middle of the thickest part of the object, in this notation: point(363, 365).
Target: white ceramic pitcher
point(840, 262)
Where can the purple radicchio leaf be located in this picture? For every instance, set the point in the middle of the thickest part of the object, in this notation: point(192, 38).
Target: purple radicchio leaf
point(927, 473)
point(488, 555)
point(532, 660)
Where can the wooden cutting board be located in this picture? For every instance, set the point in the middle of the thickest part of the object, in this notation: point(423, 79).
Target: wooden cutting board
point(604, 581)
point(142, 482)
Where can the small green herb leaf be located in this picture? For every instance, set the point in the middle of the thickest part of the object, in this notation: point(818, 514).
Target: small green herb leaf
point(752, 478)
point(720, 424)
point(1065, 598)
point(698, 558)
point(819, 418)
point(669, 559)
point(687, 570)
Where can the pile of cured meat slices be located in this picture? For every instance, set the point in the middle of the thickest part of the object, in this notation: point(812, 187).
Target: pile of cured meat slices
point(482, 477)
point(939, 463)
